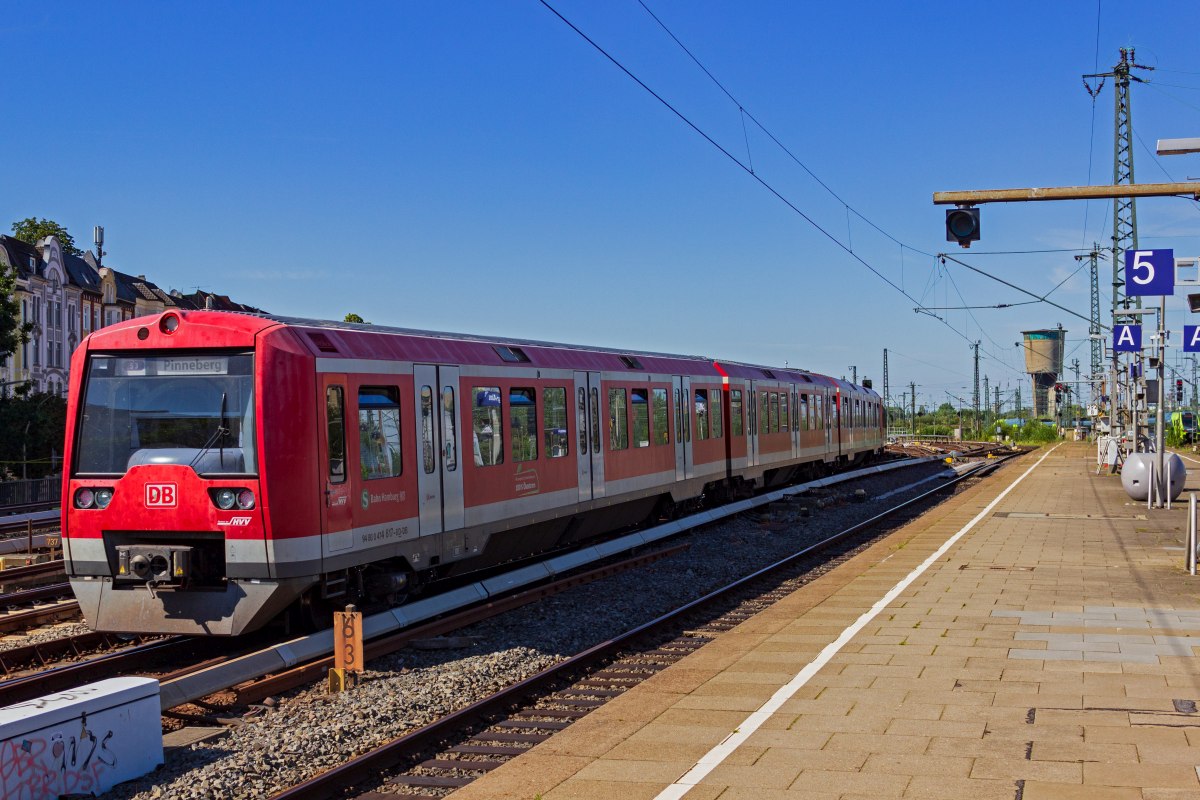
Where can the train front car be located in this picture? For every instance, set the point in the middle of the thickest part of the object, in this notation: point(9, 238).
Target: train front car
point(164, 522)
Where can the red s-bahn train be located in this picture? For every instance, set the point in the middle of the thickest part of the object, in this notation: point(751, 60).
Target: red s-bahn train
point(224, 467)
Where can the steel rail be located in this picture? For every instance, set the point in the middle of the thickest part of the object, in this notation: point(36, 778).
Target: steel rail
point(31, 571)
point(403, 748)
point(69, 676)
point(26, 596)
point(22, 620)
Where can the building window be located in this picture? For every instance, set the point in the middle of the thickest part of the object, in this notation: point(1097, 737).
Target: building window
point(554, 411)
point(522, 413)
point(487, 426)
point(379, 431)
point(618, 425)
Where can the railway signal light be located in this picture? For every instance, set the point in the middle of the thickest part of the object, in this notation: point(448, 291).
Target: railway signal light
point(962, 225)
point(1178, 390)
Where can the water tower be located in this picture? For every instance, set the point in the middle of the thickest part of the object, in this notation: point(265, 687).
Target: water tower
point(1043, 362)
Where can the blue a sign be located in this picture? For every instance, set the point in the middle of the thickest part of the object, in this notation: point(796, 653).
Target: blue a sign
point(1127, 339)
point(1191, 338)
point(1149, 272)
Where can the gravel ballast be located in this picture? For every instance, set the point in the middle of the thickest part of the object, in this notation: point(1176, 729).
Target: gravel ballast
point(307, 731)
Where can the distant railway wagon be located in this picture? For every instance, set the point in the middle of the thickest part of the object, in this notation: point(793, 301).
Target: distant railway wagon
point(225, 467)
point(1183, 423)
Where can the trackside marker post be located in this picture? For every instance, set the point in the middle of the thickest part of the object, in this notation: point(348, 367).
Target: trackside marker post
point(347, 650)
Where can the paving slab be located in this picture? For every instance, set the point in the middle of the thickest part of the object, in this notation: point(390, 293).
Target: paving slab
point(1048, 651)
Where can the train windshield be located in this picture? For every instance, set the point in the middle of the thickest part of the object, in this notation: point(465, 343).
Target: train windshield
point(190, 409)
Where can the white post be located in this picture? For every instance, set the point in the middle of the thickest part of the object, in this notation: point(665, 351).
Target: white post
point(1191, 537)
point(1167, 485)
point(1150, 486)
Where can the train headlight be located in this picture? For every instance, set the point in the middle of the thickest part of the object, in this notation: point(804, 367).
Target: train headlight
point(226, 499)
point(84, 498)
point(103, 498)
point(169, 323)
point(245, 499)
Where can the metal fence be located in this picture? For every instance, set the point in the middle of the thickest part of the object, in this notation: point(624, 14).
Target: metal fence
point(20, 493)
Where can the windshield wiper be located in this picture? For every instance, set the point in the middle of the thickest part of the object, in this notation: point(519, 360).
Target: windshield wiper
point(218, 435)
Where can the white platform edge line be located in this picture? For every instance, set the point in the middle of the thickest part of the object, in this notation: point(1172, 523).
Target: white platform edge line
point(710, 760)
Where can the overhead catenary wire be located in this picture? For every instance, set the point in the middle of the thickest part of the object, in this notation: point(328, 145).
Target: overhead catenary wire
point(949, 257)
point(770, 135)
point(744, 167)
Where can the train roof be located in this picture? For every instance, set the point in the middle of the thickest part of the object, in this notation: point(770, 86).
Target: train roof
point(359, 340)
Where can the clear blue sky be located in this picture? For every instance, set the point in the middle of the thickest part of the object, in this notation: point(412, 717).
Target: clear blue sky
point(479, 167)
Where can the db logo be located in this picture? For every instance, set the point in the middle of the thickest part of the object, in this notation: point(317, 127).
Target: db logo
point(160, 495)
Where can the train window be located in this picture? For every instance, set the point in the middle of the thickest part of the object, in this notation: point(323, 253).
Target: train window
point(639, 400)
point(595, 420)
point(795, 413)
point(335, 421)
point(487, 426)
point(522, 412)
point(581, 420)
point(764, 417)
point(660, 427)
point(554, 411)
point(752, 409)
point(735, 412)
point(803, 412)
point(428, 462)
point(379, 431)
point(449, 430)
point(686, 411)
point(678, 417)
point(701, 414)
point(784, 415)
point(714, 413)
point(774, 412)
point(618, 421)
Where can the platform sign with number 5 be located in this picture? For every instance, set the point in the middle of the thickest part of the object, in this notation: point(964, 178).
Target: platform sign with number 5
point(1149, 273)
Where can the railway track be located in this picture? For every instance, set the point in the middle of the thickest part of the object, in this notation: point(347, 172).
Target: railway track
point(26, 608)
point(464, 745)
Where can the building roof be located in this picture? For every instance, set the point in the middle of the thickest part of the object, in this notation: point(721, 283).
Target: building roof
point(17, 253)
point(219, 302)
point(80, 273)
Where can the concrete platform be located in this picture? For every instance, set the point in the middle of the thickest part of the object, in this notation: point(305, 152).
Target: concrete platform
point(1024, 641)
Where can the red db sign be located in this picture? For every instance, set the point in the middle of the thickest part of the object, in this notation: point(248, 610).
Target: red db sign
point(160, 495)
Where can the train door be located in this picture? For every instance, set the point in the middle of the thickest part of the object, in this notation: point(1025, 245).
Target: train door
point(827, 418)
point(794, 419)
point(589, 455)
point(752, 423)
point(336, 511)
point(682, 395)
point(439, 448)
point(837, 418)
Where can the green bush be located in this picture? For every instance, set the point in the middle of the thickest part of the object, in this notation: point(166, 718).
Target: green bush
point(1173, 438)
point(1035, 432)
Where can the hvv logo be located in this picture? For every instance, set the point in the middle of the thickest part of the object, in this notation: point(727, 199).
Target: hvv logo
point(161, 495)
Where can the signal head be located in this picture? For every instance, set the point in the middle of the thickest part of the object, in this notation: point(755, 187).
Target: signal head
point(962, 225)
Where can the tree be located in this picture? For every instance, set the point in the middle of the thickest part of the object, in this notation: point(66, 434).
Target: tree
point(31, 435)
point(13, 333)
point(352, 317)
point(32, 230)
